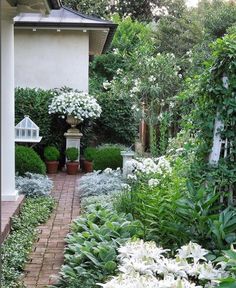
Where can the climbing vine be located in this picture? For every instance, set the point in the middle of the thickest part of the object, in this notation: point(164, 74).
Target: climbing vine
point(215, 100)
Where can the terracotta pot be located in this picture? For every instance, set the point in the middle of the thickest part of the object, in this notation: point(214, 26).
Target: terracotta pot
point(52, 167)
point(88, 166)
point(72, 168)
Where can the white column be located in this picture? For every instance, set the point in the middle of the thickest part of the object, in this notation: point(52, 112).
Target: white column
point(7, 104)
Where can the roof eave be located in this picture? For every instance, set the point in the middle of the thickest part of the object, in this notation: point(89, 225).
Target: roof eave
point(111, 26)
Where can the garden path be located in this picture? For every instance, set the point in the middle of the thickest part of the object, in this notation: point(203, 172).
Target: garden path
point(47, 255)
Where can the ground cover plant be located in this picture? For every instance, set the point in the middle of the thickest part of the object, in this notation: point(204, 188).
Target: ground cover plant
point(18, 245)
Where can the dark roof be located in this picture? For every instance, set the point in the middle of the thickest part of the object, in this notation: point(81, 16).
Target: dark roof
point(66, 18)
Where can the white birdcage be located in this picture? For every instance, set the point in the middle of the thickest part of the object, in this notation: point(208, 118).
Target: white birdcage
point(27, 131)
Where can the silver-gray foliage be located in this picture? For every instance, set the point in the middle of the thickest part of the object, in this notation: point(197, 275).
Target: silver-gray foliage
point(100, 183)
point(34, 185)
point(90, 203)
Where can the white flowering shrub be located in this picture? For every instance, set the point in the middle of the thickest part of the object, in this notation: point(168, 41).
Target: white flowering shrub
point(149, 170)
point(144, 265)
point(78, 104)
point(100, 183)
point(149, 166)
point(34, 185)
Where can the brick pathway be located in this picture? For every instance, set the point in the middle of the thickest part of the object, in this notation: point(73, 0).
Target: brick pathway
point(47, 256)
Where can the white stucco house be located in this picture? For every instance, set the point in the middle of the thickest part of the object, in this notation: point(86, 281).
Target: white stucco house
point(58, 48)
point(50, 48)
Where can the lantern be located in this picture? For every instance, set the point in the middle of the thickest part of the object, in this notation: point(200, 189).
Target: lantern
point(27, 131)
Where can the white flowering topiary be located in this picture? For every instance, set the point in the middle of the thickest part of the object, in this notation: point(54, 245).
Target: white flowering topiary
point(144, 265)
point(78, 104)
point(34, 185)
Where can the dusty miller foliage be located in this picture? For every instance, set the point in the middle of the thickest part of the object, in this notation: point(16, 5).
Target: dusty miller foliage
point(100, 183)
point(34, 185)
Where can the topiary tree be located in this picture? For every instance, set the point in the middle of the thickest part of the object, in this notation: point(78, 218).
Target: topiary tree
point(27, 160)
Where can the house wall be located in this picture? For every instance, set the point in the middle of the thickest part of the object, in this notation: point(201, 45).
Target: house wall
point(49, 59)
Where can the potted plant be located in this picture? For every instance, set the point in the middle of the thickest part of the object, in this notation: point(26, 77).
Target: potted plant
point(51, 155)
point(76, 106)
point(72, 165)
point(89, 153)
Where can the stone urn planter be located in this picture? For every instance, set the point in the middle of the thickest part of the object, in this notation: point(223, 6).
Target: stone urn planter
point(73, 122)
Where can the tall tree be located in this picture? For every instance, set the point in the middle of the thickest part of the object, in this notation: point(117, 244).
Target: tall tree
point(142, 10)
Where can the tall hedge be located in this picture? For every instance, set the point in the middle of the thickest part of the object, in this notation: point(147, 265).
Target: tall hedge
point(34, 102)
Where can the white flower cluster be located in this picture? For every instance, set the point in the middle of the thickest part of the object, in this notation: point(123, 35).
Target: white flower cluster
point(144, 265)
point(153, 182)
point(78, 104)
point(150, 166)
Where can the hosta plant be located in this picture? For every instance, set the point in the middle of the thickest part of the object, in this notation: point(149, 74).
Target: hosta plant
point(91, 253)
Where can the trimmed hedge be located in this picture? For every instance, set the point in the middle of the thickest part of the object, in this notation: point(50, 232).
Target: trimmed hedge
point(34, 102)
point(27, 160)
point(107, 157)
point(89, 153)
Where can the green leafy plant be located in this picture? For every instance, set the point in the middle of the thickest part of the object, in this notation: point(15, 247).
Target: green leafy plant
point(89, 153)
point(17, 246)
point(34, 102)
point(72, 154)
point(27, 160)
point(91, 253)
point(107, 157)
point(229, 257)
point(51, 153)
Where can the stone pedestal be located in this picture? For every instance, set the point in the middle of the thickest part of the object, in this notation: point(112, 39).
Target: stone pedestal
point(127, 156)
point(73, 137)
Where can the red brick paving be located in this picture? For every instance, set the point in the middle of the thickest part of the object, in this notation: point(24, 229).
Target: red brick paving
point(9, 209)
point(47, 256)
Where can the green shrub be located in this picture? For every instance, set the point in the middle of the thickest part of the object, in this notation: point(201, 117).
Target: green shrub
point(18, 245)
point(51, 153)
point(107, 157)
point(89, 153)
point(27, 160)
point(72, 154)
point(34, 102)
point(91, 253)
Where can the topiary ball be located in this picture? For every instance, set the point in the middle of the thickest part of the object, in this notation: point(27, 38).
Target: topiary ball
point(27, 160)
point(51, 153)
